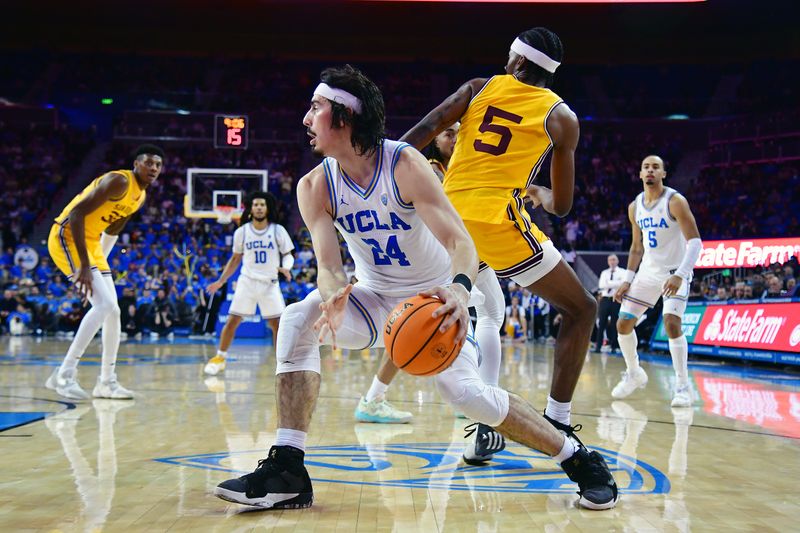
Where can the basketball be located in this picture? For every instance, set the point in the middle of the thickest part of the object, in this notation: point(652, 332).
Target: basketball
point(413, 340)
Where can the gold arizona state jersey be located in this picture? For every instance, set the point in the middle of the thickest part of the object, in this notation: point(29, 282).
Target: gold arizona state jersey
point(502, 143)
point(112, 210)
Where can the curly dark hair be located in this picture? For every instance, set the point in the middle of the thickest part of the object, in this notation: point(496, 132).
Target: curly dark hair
point(369, 126)
point(272, 207)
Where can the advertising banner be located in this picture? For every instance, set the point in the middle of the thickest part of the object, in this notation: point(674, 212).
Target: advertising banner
point(748, 253)
point(758, 331)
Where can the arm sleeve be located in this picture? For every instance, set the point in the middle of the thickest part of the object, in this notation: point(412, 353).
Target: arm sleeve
point(693, 249)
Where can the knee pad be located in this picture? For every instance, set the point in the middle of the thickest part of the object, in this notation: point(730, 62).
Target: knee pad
point(297, 347)
point(470, 395)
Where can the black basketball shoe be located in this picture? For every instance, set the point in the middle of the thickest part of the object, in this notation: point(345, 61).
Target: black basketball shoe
point(566, 429)
point(487, 443)
point(596, 486)
point(279, 482)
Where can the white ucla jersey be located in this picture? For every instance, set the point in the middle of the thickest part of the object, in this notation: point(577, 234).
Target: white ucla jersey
point(395, 253)
point(262, 250)
point(664, 243)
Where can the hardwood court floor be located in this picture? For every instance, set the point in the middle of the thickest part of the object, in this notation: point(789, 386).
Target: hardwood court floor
point(728, 464)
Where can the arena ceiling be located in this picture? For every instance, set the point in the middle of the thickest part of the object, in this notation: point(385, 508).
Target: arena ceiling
point(713, 31)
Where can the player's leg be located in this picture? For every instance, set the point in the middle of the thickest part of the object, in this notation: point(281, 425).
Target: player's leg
point(636, 301)
point(674, 309)
point(245, 299)
point(103, 303)
point(512, 416)
point(281, 480)
point(373, 406)
point(487, 328)
point(107, 385)
point(560, 286)
point(271, 304)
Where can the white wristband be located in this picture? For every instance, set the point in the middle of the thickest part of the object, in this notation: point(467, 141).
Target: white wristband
point(628, 276)
point(107, 242)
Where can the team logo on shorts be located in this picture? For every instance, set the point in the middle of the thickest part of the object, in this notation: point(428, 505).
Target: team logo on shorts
point(438, 466)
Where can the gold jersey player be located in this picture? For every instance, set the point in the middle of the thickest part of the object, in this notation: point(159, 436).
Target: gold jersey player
point(80, 240)
point(509, 124)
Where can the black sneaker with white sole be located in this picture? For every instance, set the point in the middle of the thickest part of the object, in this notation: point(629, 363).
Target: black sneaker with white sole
point(596, 486)
point(279, 482)
point(487, 442)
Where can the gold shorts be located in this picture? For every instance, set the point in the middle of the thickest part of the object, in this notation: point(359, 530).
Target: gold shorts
point(65, 255)
point(514, 248)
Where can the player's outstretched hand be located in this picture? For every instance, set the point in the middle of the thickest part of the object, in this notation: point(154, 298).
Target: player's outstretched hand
point(621, 291)
point(455, 298)
point(213, 287)
point(332, 314)
point(671, 286)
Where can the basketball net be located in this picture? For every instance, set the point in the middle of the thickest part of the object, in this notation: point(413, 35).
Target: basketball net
point(225, 213)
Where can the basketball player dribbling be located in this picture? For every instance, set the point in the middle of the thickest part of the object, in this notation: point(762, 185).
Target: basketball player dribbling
point(509, 124)
point(405, 238)
point(665, 247)
point(79, 243)
point(265, 249)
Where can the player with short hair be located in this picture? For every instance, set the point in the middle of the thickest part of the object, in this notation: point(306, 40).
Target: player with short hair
point(405, 238)
point(79, 243)
point(664, 248)
point(264, 249)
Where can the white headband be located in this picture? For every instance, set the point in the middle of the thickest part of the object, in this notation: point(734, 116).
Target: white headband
point(339, 96)
point(532, 54)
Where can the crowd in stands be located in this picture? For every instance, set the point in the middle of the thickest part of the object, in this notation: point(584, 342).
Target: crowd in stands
point(164, 260)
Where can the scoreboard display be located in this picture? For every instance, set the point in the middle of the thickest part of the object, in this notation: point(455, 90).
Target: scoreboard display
point(231, 131)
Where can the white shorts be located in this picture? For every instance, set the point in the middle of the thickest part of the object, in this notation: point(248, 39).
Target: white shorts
point(550, 258)
point(250, 292)
point(645, 291)
point(362, 327)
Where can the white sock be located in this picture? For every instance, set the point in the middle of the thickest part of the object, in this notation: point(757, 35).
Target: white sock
point(679, 350)
point(221, 353)
point(558, 411)
point(567, 450)
point(487, 333)
point(91, 322)
point(376, 390)
point(112, 326)
point(628, 344)
point(291, 437)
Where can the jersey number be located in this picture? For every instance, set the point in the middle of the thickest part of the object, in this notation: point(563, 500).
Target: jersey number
point(393, 251)
point(651, 239)
point(261, 257)
point(502, 131)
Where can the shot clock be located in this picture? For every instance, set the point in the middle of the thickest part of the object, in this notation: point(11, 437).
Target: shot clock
point(231, 131)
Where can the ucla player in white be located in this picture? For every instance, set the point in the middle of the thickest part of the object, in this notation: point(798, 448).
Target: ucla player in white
point(405, 238)
point(264, 249)
point(666, 245)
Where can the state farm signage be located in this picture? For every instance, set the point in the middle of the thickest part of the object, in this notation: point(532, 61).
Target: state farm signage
point(748, 253)
point(756, 326)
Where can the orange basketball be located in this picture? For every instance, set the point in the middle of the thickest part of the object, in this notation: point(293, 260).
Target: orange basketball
point(413, 340)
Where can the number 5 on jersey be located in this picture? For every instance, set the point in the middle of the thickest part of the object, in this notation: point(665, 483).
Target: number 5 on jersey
point(392, 251)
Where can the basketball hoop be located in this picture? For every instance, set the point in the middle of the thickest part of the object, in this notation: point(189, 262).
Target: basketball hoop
point(225, 213)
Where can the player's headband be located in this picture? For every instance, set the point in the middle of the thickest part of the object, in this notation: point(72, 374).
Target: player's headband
point(535, 56)
point(339, 96)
